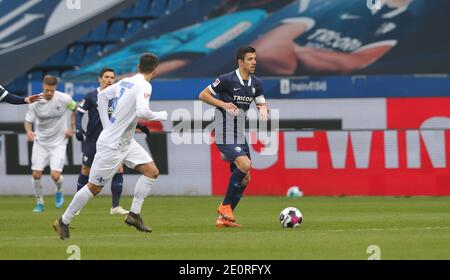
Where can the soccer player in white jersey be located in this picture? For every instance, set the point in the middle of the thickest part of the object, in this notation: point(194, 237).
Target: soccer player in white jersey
point(49, 138)
point(116, 145)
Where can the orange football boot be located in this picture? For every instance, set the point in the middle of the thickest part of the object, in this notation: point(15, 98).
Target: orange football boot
point(226, 212)
point(221, 222)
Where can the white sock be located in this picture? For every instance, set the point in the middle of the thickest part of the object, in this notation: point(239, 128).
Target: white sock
point(38, 191)
point(80, 199)
point(141, 191)
point(59, 183)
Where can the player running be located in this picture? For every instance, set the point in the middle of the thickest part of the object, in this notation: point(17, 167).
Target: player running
point(10, 98)
point(116, 145)
point(49, 138)
point(232, 95)
point(89, 139)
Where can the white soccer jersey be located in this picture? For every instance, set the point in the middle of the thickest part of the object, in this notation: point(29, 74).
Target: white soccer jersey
point(130, 102)
point(50, 119)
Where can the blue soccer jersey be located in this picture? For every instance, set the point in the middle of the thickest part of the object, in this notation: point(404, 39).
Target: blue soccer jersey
point(94, 126)
point(230, 88)
point(351, 26)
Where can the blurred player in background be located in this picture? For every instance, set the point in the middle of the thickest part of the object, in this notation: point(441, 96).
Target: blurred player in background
point(49, 138)
point(232, 95)
point(116, 145)
point(89, 139)
point(7, 97)
point(334, 37)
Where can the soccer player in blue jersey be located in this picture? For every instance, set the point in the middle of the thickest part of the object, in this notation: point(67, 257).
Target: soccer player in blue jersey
point(232, 95)
point(90, 136)
point(334, 37)
point(7, 97)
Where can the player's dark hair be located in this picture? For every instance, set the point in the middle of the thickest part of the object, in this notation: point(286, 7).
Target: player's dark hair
point(50, 80)
point(242, 51)
point(104, 70)
point(148, 62)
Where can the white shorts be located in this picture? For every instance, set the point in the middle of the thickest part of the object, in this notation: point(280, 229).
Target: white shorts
point(42, 155)
point(107, 161)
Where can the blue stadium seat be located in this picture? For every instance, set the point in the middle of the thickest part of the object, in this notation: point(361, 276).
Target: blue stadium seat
point(140, 8)
point(74, 55)
point(99, 33)
point(55, 60)
point(126, 13)
point(53, 73)
point(108, 47)
point(19, 86)
point(116, 30)
point(132, 28)
point(85, 37)
point(92, 53)
point(173, 5)
point(35, 76)
point(148, 23)
point(157, 8)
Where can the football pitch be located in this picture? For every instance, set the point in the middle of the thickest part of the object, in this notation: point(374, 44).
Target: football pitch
point(184, 229)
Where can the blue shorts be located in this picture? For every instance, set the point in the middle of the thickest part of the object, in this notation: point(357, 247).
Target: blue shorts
point(232, 151)
point(89, 150)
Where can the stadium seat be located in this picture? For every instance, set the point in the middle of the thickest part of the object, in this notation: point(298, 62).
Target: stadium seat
point(132, 28)
point(92, 53)
point(19, 86)
point(53, 73)
point(99, 33)
point(116, 30)
point(140, 8)
point(75, 55)
point(148, 23)
point(173, 5)
point(127, 13)
point(35, 76)
point(157, 8)
point(55, 60)
point(85, 38)
point(108, 47)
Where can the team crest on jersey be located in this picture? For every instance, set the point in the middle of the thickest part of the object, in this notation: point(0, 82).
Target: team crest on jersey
point(238, 149)
point(216, 82)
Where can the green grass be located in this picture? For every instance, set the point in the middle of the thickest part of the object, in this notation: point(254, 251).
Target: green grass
point(183, 228)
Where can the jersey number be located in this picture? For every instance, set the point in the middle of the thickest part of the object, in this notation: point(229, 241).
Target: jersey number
point(116, 99)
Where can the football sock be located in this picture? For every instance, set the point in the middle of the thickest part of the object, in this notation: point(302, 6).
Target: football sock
point(59, 183)
point(38, 191)
point(141, 191)
point(116, 189)
point(80, 199)
point(237, 196)
point(235, 183)
point(82, 181)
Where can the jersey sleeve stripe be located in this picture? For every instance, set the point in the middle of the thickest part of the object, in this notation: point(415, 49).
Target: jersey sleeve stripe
point(4, 95)
point(211, 89)
point(81, 110)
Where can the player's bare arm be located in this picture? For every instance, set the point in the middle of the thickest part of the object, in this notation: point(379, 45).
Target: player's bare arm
point(276, 49)
point(29, 129)
point(207, 97)
point(332, 61)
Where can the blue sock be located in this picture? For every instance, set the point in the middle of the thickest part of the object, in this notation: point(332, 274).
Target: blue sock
point(237, 196)
point(82, 181)
point(116, 188)
point(233, 186)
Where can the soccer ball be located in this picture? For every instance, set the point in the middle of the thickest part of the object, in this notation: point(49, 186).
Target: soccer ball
point(291, 217)
point(294, 191)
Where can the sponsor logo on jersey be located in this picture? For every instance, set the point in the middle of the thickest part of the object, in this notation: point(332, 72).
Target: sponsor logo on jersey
point(216, 82)
point(238, 149)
